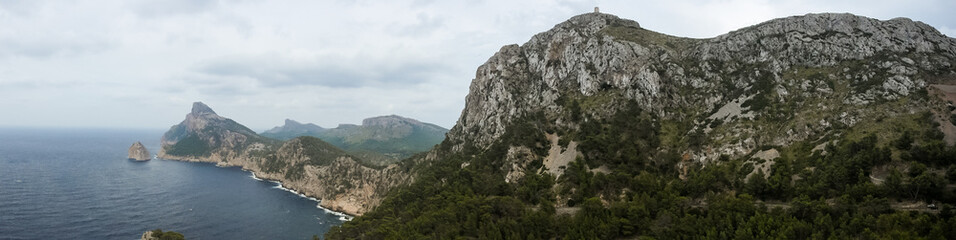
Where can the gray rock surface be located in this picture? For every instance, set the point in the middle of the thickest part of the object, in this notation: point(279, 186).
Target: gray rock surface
point(148, 235)
point(831, 60)
point(138, 152)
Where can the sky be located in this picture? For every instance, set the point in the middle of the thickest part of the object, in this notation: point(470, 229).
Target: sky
point(141, 63)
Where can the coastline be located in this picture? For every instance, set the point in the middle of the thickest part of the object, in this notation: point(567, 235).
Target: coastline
point(344, 216)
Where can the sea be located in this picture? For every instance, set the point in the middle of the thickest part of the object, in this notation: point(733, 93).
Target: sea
point(79, 184)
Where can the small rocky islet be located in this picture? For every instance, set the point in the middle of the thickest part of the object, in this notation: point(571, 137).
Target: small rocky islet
point(138, 152)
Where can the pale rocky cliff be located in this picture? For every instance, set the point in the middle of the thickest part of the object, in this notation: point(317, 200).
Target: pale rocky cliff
point(774, 83)
point(305, 164)
point(148, 235)
point(602, 95)
point(138, 152)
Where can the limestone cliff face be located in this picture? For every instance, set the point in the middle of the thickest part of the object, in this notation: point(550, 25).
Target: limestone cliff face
point(774, 83)
point(348, 185)
point(138, 152)
point(305, 164)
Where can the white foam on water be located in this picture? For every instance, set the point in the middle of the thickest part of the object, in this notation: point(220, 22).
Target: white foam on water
point(342, 216)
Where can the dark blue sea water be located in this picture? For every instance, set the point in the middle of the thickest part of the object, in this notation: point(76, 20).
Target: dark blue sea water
point(78, 184)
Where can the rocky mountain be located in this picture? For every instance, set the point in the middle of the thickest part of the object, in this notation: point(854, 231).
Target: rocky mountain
point(836, 62)
point(304, 164)
point(206, 135)
point(379, 140)
point(601, 129)
point(138, 152)
point(293, 129)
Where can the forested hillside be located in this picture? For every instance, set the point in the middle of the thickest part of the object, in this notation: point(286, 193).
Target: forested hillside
point(815, 126)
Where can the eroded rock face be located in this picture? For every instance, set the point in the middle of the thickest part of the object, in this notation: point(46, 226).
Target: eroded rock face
point(844, 65)
point(138, 152)
point(148, 235)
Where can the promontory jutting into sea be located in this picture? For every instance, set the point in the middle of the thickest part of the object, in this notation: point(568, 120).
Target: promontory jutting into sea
point(822, 125)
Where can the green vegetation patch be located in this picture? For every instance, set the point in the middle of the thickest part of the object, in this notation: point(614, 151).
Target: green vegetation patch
point(191, 145)
point(320, 153)
point(647, 38)
point(804, 195)
point(168, 235)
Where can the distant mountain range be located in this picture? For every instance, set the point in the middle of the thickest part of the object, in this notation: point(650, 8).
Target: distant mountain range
point(379, 140)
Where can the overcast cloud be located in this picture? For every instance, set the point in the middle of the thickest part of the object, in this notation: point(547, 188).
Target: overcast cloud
point(140, 64)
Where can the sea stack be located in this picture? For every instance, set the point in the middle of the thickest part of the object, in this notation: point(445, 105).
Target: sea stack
point(138, 152)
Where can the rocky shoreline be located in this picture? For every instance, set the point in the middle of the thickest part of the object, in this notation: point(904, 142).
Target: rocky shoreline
point(342, 208)
point(305, 164)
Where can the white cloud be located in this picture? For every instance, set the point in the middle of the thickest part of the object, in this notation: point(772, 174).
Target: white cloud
point(141, 63)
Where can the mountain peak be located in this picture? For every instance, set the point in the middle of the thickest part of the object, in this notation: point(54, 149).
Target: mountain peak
point(595, 21)
point(200, 108)
point(388, 120)
point(290, 122)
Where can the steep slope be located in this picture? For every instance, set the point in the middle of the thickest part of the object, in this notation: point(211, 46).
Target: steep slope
point(801, 63)
point(600, 129)
point(305, 164)
point(206, 136)
point(379, 140)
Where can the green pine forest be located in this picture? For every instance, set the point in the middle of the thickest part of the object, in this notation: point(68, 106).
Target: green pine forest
point(826, 194)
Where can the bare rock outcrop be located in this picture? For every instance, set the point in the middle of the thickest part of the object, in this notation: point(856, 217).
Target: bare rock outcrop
point(138, 152)
point(835, 66)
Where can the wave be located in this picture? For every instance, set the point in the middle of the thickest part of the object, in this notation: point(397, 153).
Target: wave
point(342, 216)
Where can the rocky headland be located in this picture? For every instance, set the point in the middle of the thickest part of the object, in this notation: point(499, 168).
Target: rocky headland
point(305, 164)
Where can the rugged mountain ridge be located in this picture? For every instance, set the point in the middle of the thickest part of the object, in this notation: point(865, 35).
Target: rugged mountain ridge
point(614, 61)
point(601, 129)
point(379, 140)
point(304, 164)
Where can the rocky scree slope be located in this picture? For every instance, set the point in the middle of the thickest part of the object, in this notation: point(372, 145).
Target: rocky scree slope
point(304, 164)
